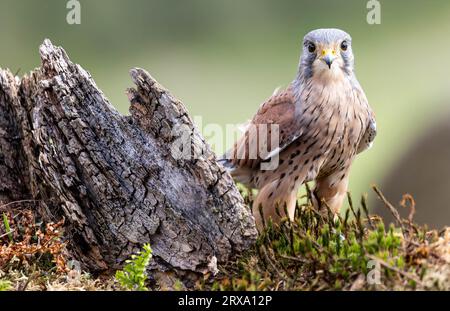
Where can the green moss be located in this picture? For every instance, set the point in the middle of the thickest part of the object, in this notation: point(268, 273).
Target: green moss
point(319, 252)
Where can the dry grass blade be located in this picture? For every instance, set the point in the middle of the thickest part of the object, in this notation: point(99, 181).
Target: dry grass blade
point(391, 208)
point(6, 207)
point(311, 252)
point(409, 202)
point(7, 233)
point(395, 269)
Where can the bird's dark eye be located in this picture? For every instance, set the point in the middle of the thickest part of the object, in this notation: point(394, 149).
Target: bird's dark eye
point(344, 45)
point(311, 47)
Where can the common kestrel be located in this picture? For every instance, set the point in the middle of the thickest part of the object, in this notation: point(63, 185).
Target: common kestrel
point(323, 120)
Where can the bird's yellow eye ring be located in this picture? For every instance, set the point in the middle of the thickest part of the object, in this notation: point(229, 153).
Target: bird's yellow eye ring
point(344, 45)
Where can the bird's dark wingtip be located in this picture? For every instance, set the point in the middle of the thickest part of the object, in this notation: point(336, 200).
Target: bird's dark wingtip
point(226, 163)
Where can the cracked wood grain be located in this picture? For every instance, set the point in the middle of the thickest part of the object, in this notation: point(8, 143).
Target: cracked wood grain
point(113, 177)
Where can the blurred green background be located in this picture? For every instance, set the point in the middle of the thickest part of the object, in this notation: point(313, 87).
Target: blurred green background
point(222, 58)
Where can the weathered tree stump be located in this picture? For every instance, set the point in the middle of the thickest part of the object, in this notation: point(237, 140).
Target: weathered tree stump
point(112, 177)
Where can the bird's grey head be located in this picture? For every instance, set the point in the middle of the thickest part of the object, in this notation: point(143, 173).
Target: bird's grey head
point(327, 53)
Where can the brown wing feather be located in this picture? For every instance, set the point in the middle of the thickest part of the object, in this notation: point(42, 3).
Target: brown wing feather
point(278, 109)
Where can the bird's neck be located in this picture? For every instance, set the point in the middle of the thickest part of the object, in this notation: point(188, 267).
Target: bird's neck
point(325, 79)
point(307, 87)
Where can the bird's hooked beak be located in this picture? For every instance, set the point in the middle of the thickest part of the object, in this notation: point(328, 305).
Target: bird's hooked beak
point(328, 56)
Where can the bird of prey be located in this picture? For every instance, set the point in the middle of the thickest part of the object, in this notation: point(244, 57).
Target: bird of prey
point(323, 121)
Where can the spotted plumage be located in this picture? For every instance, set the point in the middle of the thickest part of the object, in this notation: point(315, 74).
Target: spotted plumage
point(324, 121)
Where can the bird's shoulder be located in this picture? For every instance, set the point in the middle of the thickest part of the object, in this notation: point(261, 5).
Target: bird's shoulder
point(277, 108)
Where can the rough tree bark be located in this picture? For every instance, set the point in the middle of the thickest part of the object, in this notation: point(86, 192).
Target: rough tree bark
point(112, 177)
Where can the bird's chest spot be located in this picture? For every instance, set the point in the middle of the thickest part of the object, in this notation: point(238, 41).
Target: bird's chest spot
point(335, 124)
point(344, 133)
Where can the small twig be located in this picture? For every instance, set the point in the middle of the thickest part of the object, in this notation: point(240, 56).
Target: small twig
point(301, 260)
point(261, 213)
point(391, 208)
point(29, 279)
point(395, 269)
point(308, 194)
point(291, 238)
point(7, 233)
point(366, 210)
point(346, 217)
point(4, 206)
point(318, 214)
point(277, 210)
point(412, 210)
point(266, 254)
point(278, 285)
point(357, 216)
